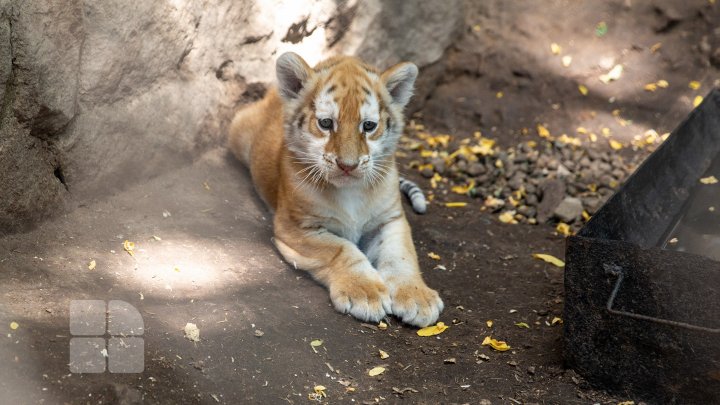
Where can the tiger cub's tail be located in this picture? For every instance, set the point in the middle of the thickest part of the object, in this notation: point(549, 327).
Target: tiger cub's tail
point(415, 194)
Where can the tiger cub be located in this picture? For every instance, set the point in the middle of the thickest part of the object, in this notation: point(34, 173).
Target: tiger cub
point(320, 149)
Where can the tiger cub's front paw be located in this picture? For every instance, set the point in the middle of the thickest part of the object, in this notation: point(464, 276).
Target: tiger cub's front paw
point(364, 298)
point(415, 303)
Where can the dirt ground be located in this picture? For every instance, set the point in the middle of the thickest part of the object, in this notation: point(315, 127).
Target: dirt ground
point(203, 251)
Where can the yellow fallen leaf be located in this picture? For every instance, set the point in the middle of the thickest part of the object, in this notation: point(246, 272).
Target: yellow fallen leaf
point(656, 47)
point(709, 180)
point(432, 330)
point(489, 323)
point(697, 100)
point(508, 217)
point(563, 229)
point(631, 402)
point(499, 94)
point(555, 49)
point(694, 84)
point(476, 28)
point(376, 371)
point(613, 74)
point(129, 247)
point(543, 132)
point(585, 215)
point(157, 238)
point(319, 392)
point(463, 189)
point(498, 345)
point(315, 344)
point(615, 144)
point(663, 84)
point(382, 325)
point(593, 137)
point(650, 87)
point(434, 256)
point(556, 321)
point(14, 325)
point(455, 204)
point(566, 60)
point(570, 140)
point(549, 259)
point(91, 265)
point(581, 130)
point(605, 131)
point(383, 354)
point(522, 325)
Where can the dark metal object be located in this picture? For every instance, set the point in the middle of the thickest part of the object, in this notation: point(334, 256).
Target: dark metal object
point(642, 316)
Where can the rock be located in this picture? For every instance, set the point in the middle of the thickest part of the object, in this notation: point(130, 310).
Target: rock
point(439, 165)
point(553, 192)
point(427, 172)
point(100, 95)
point(475, 169)
point(569, 209)
point(563, 171)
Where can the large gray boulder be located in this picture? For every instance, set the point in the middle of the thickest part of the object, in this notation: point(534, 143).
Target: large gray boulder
point(97, 95)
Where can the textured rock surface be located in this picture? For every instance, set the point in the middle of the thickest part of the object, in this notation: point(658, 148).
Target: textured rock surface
point(99, 95)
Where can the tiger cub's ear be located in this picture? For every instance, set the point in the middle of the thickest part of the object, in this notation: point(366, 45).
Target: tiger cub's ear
point(292, 74)
point(399, 81)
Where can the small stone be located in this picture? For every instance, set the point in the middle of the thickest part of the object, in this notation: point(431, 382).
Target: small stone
point(563, 171)
point(259, 333)
point(450, 360)
point(439, 165)
point(569, 209)
point(531, 370)
point(531, 199)
point(553, 192)
point(475, 169)
point(427, 172)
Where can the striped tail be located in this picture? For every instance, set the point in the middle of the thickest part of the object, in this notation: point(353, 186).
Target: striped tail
point(415, 194)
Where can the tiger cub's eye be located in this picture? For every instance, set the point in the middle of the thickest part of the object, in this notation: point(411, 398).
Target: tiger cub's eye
point(325, 123)
point(369, 126)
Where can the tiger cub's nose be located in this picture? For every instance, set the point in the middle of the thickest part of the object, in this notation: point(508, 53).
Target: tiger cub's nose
point(345, 167)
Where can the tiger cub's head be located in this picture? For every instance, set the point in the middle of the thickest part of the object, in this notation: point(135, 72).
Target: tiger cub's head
point(343, 118)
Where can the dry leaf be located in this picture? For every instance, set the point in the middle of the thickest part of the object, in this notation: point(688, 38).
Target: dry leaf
point(615, 144)
point(563, 229)
point(498, 345)
point(192, 332)
point(709, 180)
point(555, 49)
point(697, 100)
point(434, 256)
point(320, 391)
point(549, 259)
point(376, 371)
point(382, 325)
point(556, 320)
point(694, 84)
point(499, 94)
point(663, 84)
point(566, 60)
point(508, 217)
point(129, 247)
point(315, 343)
point(91, 265)
point(583, 90)
point(383, 354)
point(543, 132)
point(522, 325)
point(650, 87)
point(432, 330)
point(489, 323)
point(14, 325)
point(455, 204)
point(613, 74)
